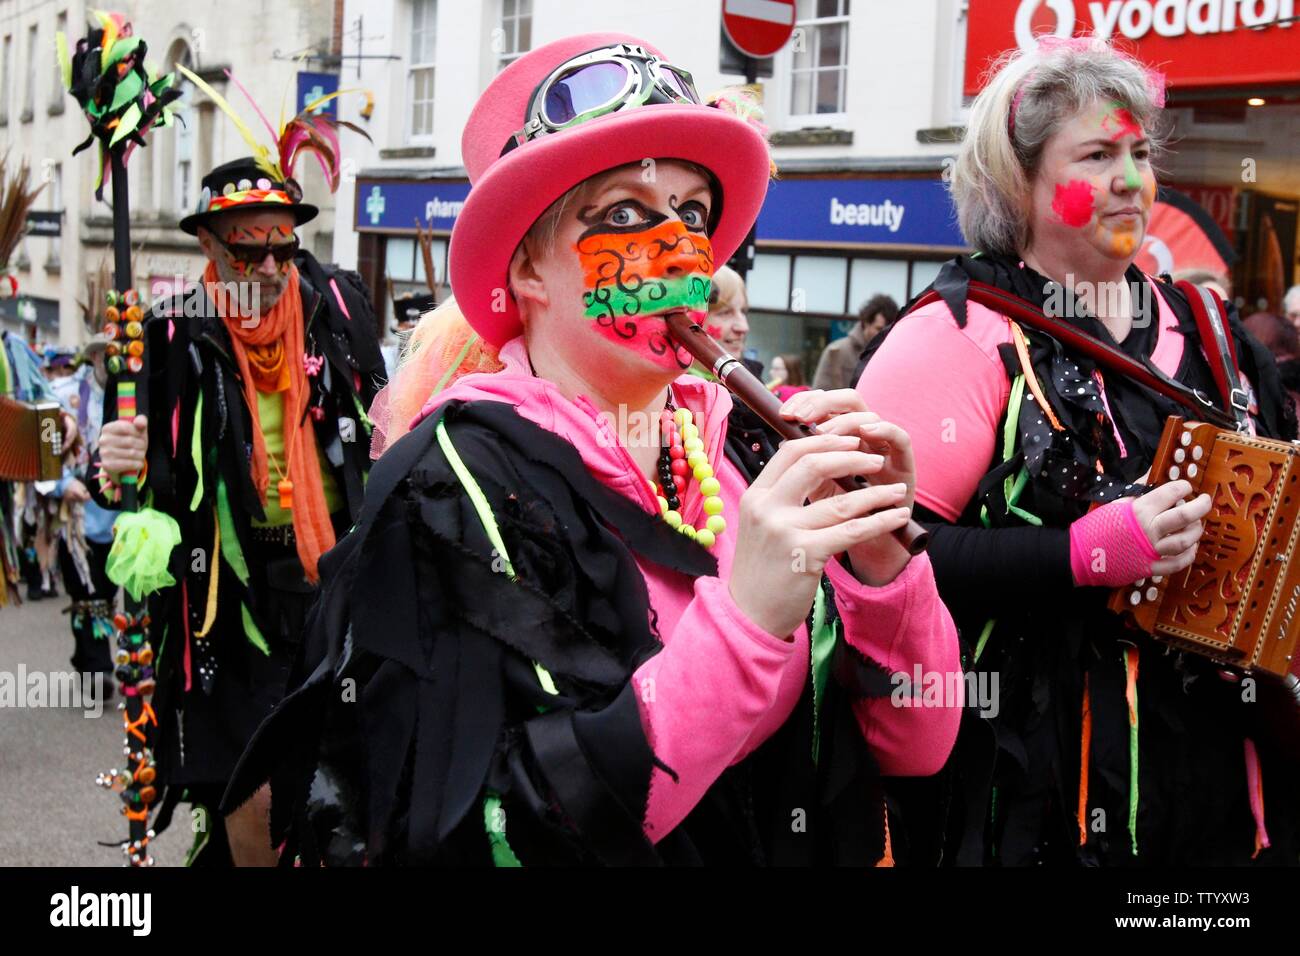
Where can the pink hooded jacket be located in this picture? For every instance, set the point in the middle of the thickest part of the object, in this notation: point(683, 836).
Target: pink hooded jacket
point(722, 685)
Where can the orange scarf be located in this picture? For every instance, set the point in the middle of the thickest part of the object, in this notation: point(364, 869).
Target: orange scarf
point(269, 352)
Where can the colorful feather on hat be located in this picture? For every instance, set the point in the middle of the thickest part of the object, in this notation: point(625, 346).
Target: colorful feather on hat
point(261, 155)
point(307, 132)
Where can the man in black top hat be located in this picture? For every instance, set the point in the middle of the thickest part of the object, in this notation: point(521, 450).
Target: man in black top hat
point(257, 443)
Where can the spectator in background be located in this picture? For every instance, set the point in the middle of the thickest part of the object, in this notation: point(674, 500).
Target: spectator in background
point(839, 361)
point(750, 442)
point(1274, 333)
point(787, 376)
point(1214, 281)
point(728, 305)
point(1291, 305)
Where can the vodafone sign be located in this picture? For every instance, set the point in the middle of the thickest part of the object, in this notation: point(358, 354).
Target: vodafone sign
point(1195, 43)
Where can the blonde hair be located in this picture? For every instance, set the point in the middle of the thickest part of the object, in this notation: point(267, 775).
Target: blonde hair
point(992, 181)
point(440, 349)
point(728, 289)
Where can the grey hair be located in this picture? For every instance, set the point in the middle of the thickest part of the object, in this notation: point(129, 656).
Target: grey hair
point(992, 181)
point(1291, 301)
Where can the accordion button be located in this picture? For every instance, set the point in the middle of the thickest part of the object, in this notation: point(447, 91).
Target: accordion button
point(1173, 473)
point(1186, 437)
point(1152, 594)
point(1135, 598)
point(1191, 471)
point(1139, 582)
point(1197, 452)
point(1179, 455)
point(1156, 578)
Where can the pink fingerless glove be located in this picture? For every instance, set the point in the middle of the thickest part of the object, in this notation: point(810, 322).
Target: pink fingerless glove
point(1108, 547)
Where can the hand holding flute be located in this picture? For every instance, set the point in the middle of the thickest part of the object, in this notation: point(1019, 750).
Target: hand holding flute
point(794, 518)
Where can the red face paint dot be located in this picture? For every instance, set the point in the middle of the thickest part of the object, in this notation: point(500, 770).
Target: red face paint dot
point(1073, 203)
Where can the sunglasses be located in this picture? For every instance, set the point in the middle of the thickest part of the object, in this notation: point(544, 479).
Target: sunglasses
point(253, 255)
point(598, 83)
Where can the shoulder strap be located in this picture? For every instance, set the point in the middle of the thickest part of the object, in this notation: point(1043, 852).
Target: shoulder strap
point(1013, 306)
point(1220, 351)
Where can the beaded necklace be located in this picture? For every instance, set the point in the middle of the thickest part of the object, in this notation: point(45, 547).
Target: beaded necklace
point(681, 454)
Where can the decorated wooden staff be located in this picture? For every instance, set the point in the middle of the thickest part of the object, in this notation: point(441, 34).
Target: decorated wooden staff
point(122, 98)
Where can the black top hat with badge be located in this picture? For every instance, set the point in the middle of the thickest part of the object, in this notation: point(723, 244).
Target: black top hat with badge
point(243, 184)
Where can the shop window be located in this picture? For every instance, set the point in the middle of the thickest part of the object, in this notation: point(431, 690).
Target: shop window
point(819, 284)
point(869, 277)
point(768, 283)
point(923, 273)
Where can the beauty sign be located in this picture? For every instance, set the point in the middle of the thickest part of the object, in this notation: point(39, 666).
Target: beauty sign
point(876, 212)
point(1197, 44)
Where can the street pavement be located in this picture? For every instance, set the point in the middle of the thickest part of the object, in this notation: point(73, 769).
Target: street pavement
point(51, 811)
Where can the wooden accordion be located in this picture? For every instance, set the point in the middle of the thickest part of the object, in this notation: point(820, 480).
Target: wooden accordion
point(1239, 602)
point(31, 441)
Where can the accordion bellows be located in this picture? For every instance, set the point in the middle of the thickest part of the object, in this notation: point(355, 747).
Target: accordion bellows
point(1239, 602)
point(31, 441)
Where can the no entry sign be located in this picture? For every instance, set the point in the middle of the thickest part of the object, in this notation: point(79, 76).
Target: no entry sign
point(758, 28)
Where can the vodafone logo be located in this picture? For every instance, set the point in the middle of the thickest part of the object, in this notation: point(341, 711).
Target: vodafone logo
point(1028, 31)
point(1135, 19)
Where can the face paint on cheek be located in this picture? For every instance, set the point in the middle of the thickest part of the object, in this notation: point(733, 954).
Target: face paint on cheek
point(1073, 203)
point(633, 278)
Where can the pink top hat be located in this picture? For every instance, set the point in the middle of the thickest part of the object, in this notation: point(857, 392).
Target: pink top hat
point(511, 191)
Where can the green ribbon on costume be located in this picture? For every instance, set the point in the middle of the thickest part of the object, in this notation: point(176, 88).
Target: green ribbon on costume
point(251, 630)
point(822, 639)
point(1011, 487)
point(230, 550)
point(196, 452)
point(494, 822)
point(142, 547)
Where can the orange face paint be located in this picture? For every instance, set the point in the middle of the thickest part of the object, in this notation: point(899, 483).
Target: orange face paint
point(634, 277)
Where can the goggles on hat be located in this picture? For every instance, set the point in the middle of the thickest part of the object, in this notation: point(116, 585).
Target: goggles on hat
point(598, 83)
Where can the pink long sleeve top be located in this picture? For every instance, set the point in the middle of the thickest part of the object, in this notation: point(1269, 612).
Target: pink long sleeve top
point(721, 685)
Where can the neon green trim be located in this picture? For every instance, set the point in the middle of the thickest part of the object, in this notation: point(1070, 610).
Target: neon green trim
point(476, 497)
point(502, 854)
point(451, 369)
point(231, 550)
point(251, 630)
point(196, 452)
point(984, 638)
point(489, 522)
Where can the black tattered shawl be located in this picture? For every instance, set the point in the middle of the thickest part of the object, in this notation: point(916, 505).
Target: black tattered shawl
point(422, 698)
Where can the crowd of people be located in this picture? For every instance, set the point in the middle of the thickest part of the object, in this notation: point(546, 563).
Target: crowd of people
point(552, 595)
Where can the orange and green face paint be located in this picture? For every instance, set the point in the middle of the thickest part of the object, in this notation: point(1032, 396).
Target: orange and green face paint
point(635, 274)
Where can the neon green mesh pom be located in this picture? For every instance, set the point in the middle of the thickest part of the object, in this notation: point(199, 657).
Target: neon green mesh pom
point(142, 545)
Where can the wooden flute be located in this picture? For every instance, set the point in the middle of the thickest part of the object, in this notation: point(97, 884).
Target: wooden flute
point(746, 386)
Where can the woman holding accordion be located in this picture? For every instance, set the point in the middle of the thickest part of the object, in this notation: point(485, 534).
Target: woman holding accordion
point(1032, 450)
point(568, 629)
